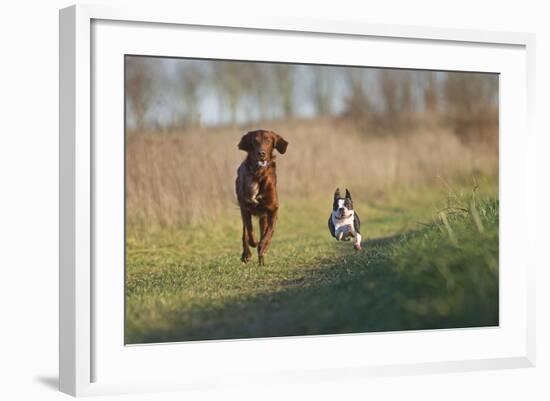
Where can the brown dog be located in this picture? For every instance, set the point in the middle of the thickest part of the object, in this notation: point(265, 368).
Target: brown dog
point(256, 188)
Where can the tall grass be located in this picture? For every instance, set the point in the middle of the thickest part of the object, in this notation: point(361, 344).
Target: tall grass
point(186, 177)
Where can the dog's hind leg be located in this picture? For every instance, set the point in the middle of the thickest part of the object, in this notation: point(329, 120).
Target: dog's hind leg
point(263, 225)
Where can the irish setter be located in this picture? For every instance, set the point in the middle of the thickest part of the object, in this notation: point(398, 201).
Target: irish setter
point(256, 188)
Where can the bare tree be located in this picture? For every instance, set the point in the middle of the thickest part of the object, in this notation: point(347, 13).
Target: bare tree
point(139, 88)
point(262, 87)
point(357, 103)
point(191, 75)
point(430, 93)
point(284, 78)
point(471, 105)
point(467, 92)
point(257, 90)
point(396, 87)
point(390, 93)
point(229, 78)
point(406, 101)
point(322, 89)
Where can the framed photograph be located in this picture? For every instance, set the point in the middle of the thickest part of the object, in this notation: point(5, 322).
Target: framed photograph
point(278, 200)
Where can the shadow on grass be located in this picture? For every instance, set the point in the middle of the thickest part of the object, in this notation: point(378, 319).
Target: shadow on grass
point(391, 288)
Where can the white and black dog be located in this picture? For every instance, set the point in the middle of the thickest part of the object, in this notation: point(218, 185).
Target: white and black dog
point(344, 222)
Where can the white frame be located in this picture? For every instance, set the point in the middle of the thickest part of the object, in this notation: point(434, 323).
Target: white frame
point(76, 187)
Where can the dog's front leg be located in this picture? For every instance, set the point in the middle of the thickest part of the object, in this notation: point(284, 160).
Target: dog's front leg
point(357, 244)
point(356, 237)
point(267, 227)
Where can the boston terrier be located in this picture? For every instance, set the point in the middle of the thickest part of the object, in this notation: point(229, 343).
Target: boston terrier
point(344, 222)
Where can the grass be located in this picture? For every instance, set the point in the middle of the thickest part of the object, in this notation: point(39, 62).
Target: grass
point(430, 261)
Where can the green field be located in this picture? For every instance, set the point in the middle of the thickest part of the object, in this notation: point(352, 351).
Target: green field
point(430, 260)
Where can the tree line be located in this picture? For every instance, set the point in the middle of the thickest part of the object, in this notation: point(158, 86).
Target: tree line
point(377, 100)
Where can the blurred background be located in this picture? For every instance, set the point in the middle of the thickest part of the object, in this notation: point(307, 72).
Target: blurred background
point(368, 129)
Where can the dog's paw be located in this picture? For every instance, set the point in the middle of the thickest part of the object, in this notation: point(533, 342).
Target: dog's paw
point(245, 257)
point(357, 247)
point(261, 261)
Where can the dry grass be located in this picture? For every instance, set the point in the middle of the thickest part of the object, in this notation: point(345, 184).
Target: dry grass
point(184, 177)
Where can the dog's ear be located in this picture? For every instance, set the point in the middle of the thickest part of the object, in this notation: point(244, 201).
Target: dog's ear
point(348, 194)
point(279, 143)
point(336, 197)
point(246, 142)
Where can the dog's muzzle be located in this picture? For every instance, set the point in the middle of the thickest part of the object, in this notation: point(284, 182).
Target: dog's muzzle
point(341, 216)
